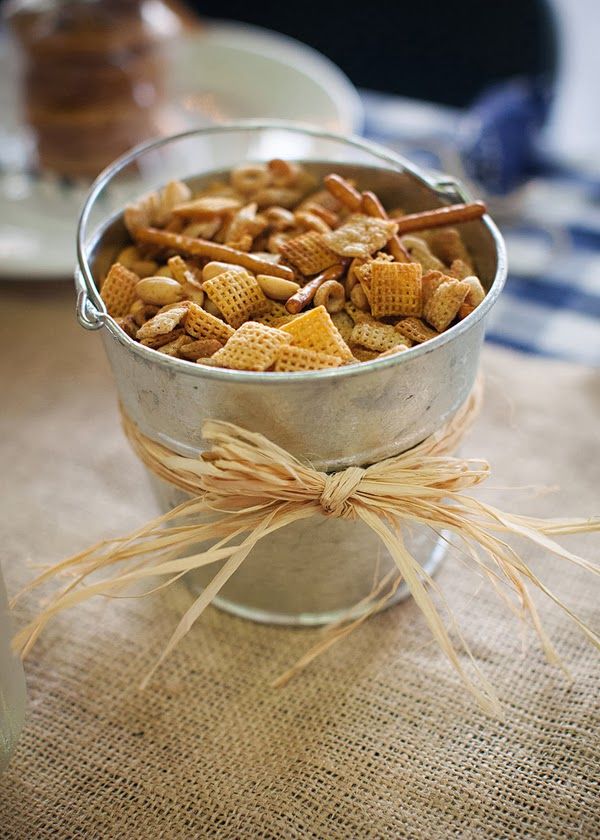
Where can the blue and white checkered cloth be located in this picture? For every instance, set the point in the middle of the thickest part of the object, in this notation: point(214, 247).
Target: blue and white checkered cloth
point(551, 302)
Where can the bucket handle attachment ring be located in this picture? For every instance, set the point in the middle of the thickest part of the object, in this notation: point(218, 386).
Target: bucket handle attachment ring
point(88, 315)
point(449, 187)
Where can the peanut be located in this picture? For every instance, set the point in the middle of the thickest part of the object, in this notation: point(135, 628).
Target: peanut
point(159, 290)
point(214, 268)
point(142, 312)
point(276, 288)
point(192, 292)
point(131, 258)
point(359, 298)
point(212, 309)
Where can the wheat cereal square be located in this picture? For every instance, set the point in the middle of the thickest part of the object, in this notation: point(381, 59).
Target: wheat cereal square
point(275, 312)
point(207, 207)
point(199, 348)
point(118, 290)
point(308, 253)
point(397, 348)
point(201, 324)
point(377, 337)
point(344, 324)
point(365, 278)
point(253, 346)
point(415, 330)
point(238, 295)
point(430, 281)
point(465, 309)
point(357, 315)
point(444, 304)
point(395, 289)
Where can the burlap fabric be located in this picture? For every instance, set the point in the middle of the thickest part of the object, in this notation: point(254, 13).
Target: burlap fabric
point(377, 739)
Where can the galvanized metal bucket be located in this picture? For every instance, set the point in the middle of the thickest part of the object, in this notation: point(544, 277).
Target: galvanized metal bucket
point(353, 415)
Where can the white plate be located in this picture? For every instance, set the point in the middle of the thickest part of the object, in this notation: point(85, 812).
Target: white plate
point(225, 72)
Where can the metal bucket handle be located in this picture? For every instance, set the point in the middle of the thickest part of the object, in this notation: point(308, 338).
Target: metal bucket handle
point(90, 308)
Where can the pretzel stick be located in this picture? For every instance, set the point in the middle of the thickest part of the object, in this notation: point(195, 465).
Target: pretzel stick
point(300, 299)
point(372, 206)
point(453, 214)
point(343, 191)
point(203, 248)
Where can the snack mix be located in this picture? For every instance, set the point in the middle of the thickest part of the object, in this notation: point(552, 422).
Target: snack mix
point(270, 272)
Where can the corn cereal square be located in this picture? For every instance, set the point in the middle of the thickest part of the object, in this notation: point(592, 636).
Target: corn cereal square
point(315, 330)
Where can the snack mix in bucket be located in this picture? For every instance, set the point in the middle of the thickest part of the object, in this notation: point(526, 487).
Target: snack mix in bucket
point(269, 271)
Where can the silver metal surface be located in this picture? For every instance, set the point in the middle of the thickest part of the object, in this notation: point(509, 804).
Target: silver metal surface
point(309, 572)
point(353, 415)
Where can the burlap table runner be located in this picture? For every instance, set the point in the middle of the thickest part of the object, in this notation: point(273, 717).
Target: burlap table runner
point(377, 739)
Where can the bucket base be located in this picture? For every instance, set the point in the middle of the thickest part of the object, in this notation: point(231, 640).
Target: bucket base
point(430, 566)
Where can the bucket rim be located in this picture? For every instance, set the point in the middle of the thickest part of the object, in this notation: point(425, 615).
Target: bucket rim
point(443, 186)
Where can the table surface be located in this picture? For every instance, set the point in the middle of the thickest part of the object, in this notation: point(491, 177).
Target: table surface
point(377, 738)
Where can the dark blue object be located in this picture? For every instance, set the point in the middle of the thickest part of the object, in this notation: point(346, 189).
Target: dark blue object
point(498, 134)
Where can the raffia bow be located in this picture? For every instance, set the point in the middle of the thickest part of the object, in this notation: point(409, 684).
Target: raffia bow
point(253, 487)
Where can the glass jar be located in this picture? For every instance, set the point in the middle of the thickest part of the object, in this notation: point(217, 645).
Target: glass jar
point(12, 685)
point(92, 77)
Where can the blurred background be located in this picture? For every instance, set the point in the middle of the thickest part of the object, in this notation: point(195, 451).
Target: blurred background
point(500, 95)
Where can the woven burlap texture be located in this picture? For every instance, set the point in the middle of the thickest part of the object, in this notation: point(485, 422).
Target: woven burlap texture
point(377, 738)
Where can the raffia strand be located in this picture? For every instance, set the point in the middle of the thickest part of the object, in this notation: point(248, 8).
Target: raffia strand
point(251, 488)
